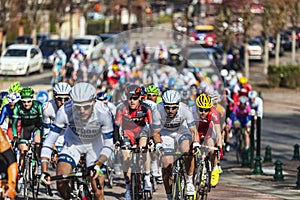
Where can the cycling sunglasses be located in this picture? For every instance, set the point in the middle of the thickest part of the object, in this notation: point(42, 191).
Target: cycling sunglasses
point(26, 101)
point(133, 97)
point(151, 95)
point(62, 98)
point(83, 106)
point(204, 109)
point(171, 107)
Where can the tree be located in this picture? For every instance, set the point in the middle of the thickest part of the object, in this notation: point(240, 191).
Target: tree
point(242, 10)
point(294, 7)
point(223, 22)
point(278, 23)
point(8, 11)
point(266, 17)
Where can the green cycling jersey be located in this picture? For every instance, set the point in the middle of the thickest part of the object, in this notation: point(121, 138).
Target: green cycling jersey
point(33, 116)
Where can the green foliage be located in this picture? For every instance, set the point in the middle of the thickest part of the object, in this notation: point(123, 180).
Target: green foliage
point(96, 27)
point(284, 76)
point(167, 18)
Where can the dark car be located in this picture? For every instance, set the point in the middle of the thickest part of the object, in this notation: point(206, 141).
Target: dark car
point(49, 46)
point(27, 39)
point(271, 45)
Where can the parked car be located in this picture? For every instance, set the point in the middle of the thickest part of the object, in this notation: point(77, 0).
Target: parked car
point(21, 59)
point(255, 50)
point(109, 39)
point(203, 35)
point(27, 39)
point(207, 60)
point(271, 45)
point(49, 46)
point(90, 44)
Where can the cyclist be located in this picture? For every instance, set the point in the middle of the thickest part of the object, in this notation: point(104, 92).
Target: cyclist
point(153, 93)
point(241, 119)
point(9, 166)
point(102, 96)
point(133, 121)
point(60, 60)
point(29, 111)
point(61, 93)
point(256, 103)
point(205, 120)
point(7, 112)
point(14, 87)
point(177, 129)
point(87, 131)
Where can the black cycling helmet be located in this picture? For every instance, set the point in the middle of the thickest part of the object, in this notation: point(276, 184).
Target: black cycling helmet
point(133, 90)
point(101, 96)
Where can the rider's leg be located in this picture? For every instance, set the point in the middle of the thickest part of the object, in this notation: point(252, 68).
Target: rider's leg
point(63, 185)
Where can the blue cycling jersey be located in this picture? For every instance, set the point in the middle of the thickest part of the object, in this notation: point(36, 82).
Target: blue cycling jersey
point(6, 112)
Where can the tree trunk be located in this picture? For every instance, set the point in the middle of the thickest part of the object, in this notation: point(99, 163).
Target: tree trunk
point(293, 46)
point(246, 57)
point(266, 56)
point(277, 49)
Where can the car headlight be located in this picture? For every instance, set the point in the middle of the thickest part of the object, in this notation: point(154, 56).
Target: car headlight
point(20, 65)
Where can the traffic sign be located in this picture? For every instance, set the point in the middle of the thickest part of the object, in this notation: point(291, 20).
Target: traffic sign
point(42, 96)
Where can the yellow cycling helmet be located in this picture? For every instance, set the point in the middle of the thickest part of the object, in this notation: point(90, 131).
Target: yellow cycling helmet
point(243, 80)
point(204, 101)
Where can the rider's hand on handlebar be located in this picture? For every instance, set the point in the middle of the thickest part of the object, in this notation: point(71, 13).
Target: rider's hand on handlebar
point(159, 148)
point(221, 154)
point(97, 172)
point(196, 148)
point(45, 179)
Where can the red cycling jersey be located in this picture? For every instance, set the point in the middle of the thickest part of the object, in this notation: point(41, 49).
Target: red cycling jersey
point(204, 125)
point(133, 121)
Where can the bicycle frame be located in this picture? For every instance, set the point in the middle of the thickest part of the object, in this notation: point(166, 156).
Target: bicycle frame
point(81, 187)
point(179, 175)
point(203, 169)
point(137, 174)
point(30, 175)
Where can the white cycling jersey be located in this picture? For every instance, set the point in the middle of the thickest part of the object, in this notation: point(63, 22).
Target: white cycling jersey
point(93, 137)
point(155, 114)
point(49, 113)
point(184, 117)
point(257, 105)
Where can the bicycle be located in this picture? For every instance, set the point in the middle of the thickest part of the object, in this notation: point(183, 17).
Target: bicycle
point(202, 177)
point(137, 173)
point(3, 187)
point(239, 139)
point(79, 181)
point(179, 176)
point(30, 174)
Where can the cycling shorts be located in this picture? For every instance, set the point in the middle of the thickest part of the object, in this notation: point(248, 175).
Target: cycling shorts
point(71, 153)
point(171, 140)
point(145, 132)
point(26, 132)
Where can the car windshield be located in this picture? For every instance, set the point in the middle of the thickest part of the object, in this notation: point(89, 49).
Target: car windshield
point(15, 53)
point(198, 56)
point(82, 41)
point(204, 31)
point(253, 42)
point(50, 45)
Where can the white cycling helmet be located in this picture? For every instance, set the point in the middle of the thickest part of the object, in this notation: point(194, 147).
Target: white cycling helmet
point(82, 92)
point(243, 99)
point(61, 88)
point(171, 97)
point(252, 94)
point(13, 97)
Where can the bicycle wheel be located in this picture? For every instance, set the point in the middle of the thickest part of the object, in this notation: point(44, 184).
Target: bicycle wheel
point(34, 179)
point(239, 146)
point(199, 184)
point(26, 180)
point(134, 187)
point(177, 187)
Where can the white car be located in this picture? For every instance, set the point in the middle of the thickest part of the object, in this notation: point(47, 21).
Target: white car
point(21, 59)
point(90, 45)
point(255, 50)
